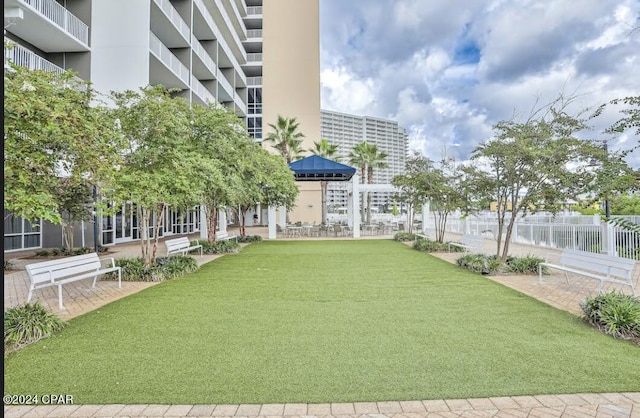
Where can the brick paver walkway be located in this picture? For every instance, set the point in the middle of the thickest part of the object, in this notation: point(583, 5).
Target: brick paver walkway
point(80, 298)
point(600, 405)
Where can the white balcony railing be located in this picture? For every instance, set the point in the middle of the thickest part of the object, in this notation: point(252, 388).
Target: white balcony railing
point(221, 41)
point(254, 33)
point(203, 55)
point(202, 91)
point(56, 13)
point(254, 81)
point(254, 57)
point(225, 84)
point(23, 57)
point(175, 18)
point(166, 56)
point(254, 11)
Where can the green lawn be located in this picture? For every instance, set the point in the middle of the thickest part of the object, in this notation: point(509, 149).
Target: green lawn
point(324, 321)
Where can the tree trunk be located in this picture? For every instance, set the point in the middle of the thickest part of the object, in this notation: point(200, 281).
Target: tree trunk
point(144, 241)
point(212, 222)
point(158, 228)
point(67, 232)
point(243, 221)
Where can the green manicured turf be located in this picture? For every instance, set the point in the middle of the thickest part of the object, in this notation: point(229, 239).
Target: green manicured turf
point(324, 321)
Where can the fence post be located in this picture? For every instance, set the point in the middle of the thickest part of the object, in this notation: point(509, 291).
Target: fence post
point(608, 239)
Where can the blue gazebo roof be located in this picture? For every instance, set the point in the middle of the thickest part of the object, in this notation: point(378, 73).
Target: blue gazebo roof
point(315, 168)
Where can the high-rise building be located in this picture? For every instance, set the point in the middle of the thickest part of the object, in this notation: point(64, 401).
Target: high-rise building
point(259, 58)
point(346, 131)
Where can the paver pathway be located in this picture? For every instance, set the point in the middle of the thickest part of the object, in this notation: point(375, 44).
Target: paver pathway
point(600, 405)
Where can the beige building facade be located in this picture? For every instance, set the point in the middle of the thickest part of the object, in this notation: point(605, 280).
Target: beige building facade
point(291, 82)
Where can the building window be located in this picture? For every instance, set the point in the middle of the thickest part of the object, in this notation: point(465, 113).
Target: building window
point(254, 128)
point(20, 234)
point(254, 100)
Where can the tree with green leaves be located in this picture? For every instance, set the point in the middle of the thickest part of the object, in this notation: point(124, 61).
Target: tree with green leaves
point(161, 167)
point(367, 157)
point(54, 129)
point(286, 138)
point(75, 200)
point(327, 150)
point(533, 165)
point(220, 138)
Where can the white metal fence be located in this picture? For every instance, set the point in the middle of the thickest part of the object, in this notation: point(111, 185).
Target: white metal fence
point(585, 233)
point(62, 17)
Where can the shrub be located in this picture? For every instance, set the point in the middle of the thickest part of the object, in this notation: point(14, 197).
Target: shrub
point(219, 247)
point(8, 265)
point(429, 246)
point(28, 323)
point(404, 236)
point(527, 264)
point(166, 268)
point(250, 238)
point(176, 266)
point(615, 314)
point(480, 263)
point(43, 253)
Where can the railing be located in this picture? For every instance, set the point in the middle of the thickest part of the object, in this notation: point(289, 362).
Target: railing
point(585, 233)
point(23, 57)
point(202, 91)
point(56, 13)
point(204, 55)
point(221, 40)
point(254, 57)
point(166, 56)
point(222, 80)
point(174, 17)
point(240, 103)
point(254, 11)
point(254, 33)
point(254, 81)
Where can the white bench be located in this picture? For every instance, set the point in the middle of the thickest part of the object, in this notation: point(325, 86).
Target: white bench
point(469, 243)
point(223, 236)
point(423, 236)
point(66, 270)
point(181, 246)
point(606, 268)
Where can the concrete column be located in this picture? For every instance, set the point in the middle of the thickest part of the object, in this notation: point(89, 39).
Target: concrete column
point(271, 221)
point(203, 222)
point(350, 206)
point(355, 205)
point(283, 217)
point(608, 239)
point(222, 223)
point(425, 216)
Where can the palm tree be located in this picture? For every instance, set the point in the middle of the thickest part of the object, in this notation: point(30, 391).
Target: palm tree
point(325, 150)
point(368, 157)
point(286, 138)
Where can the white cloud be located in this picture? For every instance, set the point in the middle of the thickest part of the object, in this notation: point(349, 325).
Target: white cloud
point(408, 60)
point(344, 92)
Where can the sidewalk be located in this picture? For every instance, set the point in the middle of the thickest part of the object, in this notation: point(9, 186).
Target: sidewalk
point(603, 405)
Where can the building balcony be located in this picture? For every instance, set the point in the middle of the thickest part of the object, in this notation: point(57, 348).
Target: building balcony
point(47, 25)
point(165, 68)
point(23, 57)
point(254, 59)
point(254, 81)
point(202, 92)
point(168, 25)
point(254, 34)
point(254, 12)
point(225, 90)
point(240, 105)
point(208, 29)
point(204, 66)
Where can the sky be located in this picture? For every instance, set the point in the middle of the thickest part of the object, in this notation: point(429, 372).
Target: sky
point(447, 71)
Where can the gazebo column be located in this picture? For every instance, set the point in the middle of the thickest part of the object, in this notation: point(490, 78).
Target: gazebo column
point(271, 221)
point(355, 205)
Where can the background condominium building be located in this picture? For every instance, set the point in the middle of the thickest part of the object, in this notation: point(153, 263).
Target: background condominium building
point(346, 131)
point(259, 58)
